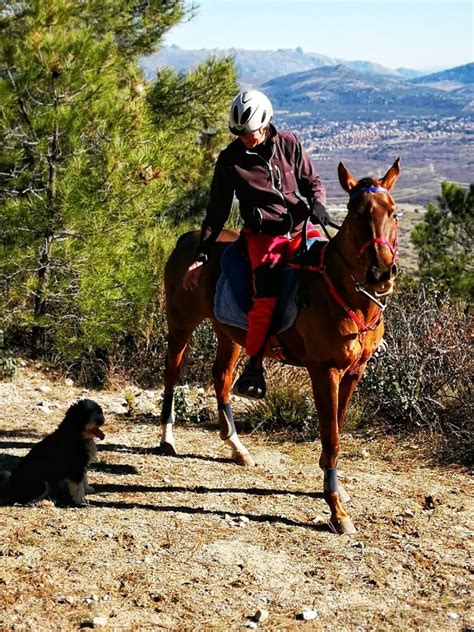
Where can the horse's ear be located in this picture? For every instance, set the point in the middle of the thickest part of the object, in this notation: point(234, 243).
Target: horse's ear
point(346, 178)
point(391, 176)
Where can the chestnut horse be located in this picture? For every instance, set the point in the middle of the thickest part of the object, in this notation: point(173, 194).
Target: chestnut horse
point(335, 332)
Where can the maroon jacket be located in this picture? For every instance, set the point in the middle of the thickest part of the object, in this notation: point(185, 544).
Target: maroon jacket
point(271, 182)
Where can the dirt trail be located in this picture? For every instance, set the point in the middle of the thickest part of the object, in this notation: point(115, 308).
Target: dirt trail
point(197, 543)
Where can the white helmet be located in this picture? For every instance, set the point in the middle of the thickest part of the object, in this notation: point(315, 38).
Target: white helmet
point(250, 110)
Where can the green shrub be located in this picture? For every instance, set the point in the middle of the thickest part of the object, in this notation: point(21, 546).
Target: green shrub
point(7, 362)
point(189, 404)
point(424, 381)
point(285, 408)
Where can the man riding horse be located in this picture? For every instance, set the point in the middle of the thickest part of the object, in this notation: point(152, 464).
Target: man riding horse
point(278, 189)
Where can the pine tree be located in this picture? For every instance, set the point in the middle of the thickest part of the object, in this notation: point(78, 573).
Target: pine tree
point(90, 172)
point(445, 240)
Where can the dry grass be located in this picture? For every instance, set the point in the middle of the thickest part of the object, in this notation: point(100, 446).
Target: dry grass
point(162, 544)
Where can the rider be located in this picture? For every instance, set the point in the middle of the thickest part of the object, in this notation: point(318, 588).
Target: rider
point(277, 188)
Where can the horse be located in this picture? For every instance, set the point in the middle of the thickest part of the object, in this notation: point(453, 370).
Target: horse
point(335, 333)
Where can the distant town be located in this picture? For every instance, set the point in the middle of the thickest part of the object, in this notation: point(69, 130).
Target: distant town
point(431, 150)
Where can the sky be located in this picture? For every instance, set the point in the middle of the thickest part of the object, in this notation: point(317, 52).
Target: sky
point(419, 34)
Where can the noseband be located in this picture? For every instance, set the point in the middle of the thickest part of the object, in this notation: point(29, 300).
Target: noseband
point(376, 240)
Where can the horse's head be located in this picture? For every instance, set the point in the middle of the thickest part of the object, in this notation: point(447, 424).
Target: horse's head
point(372, 226)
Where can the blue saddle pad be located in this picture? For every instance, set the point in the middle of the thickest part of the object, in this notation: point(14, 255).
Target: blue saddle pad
point(233, 296)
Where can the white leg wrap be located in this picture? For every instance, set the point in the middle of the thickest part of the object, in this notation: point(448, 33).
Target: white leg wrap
point(167, 434)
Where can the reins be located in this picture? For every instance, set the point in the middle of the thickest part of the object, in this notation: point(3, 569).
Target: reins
point(363, 327)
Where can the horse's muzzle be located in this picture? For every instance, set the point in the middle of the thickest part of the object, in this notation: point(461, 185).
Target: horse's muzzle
point(381, 279)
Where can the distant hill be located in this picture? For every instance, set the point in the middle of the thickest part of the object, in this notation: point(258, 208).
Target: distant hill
point(458, 80)
point(256, 67)
point(341, 92)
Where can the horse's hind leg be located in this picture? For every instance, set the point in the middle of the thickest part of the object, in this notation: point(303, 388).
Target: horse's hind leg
point(222, 372)
point(177, 343)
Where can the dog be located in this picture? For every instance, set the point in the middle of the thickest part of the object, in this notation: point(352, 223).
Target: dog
point(57, 466)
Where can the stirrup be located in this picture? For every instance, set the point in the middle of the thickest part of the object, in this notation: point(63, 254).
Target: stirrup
point(251, 384)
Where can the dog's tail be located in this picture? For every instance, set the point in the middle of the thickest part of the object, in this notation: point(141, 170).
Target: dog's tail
point(4, 479)
point(9, 493)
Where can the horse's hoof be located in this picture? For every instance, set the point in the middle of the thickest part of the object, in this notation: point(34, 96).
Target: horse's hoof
point(344, 526)
point(165, 449)
point(243, 458)
point(343, 495)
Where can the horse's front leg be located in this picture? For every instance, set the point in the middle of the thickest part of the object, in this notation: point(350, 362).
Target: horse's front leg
point(346, 389)
point(223, 372)
point(326, 382)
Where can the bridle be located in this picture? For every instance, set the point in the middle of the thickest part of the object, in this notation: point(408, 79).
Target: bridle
point(377, 240)
point(363, 327)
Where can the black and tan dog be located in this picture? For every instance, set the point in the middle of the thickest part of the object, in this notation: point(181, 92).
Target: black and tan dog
point(57, 465)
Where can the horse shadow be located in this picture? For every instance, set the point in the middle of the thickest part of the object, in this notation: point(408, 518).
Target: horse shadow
point(8, 462)
point(183, 509)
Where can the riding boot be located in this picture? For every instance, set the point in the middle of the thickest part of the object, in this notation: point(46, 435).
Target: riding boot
point(251, 383)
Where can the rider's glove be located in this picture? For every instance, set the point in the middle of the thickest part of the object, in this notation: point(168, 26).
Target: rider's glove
point(319, 215)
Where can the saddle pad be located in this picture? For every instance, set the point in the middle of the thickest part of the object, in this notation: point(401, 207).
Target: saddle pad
point(233, 296)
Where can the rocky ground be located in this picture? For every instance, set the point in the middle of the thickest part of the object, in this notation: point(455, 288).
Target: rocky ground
point(198, 543)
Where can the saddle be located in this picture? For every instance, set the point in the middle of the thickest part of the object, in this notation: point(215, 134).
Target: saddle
point(233, 295)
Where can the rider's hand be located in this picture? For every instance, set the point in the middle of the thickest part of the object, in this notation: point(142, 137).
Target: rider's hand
point(319, 215)
point(191, 277)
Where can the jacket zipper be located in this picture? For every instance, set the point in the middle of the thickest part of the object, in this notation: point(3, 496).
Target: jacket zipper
point(270, 169)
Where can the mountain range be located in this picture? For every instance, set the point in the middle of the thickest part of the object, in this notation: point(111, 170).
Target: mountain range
point(308, 82)
point(257, 66)
point(339, 92)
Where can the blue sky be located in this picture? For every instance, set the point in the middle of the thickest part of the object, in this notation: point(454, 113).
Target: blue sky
point(422, 34)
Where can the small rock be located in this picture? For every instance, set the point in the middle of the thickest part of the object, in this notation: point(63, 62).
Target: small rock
point(319, 519)
point(96, 622)
point(251, 624)
point(44, 408)
point(68, 382)
point(429, 502)
point(261, 615)
point(166, 479)
point(454, 615)
point(243, 519)
point(99, 622)
point(409, 513)
point(44, 389)
point(119, 410)
point(307, 615)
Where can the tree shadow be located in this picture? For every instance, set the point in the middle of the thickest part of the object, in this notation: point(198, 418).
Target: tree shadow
point(13, 445)
point(323, 527)
point(22, 434)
